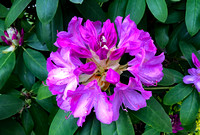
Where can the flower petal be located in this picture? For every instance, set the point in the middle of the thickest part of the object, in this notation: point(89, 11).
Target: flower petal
point(195, 60)
point(112, 76)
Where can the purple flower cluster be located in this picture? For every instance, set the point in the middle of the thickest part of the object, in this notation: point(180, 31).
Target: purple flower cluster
point(175, 123)
point(13, 38)
point(194, 76)
point(81, 86)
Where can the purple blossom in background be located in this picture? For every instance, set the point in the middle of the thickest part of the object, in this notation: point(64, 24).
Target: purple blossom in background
point(82, 86)
point(13, 38)
point(194, 76)
point(175, 123)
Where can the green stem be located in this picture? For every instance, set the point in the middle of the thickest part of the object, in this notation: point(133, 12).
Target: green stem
point(158, 88)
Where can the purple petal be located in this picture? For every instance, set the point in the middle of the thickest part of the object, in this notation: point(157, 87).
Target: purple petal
point(80, 121)
point(116, 54)
point(63, 104)
point(112, 76)
point(195, 60)
point(21, 40)
point(103, 109)
point(133, 100)
point(197, 84)
point(22, 33)
point(81, 52)
point(188, 79)
point(102, 53)
point(50, 65)
point(88, 68)
point(6, 33)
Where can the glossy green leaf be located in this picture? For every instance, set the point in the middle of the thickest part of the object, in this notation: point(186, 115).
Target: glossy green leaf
point(136, 9)
point(187, 50)
point(189, 108)
point(34, 43)
point(36, 63)
point(155, 116)
point(46, 9)
point(117, 8)
point(77, 1)
point(11, 127)
point(168, 78)
point(48, 104)
point(179, 33)
point(3, 11)
point(7, 63)
point(9, 105)
point(43, 92)
point(12, 83)
point(161, 35)
point(158, 8)
point(91, 126)
point(177, 93)
point(13, 92)
point(16, 9)
point(40, 119)
point(25, 76)
point(150, 131)
point(90, 9)
point(1, 29)
point(192, 16)
point(47, 33)
point(27, 121)
point(123, 126)
point(175, 16)
point(60, 125)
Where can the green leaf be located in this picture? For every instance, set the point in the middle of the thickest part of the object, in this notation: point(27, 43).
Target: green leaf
point(174, 38)
point(3, 11)
point(7, 63)
point(161, 35)
point(36, 63)
point(90, 9)
point(40, 119)
point(168, 78)
point(123, 126)
point(192, 16)
point(175, 16)
point(12, 83)
point(189, 108)
point(11, 127)
point(150, 131)
point(155, 116)
point(43, 92)
point(187, 50)
point(16, 9)
point(1, 29)
point(46, 9)
point(9, 105)
point(25, 76)
point(77, 1)
point(47, 33)
point(60, 125)
point(47, 104)
point(117, 8)
point(177, 93)
point(136, 9)
point(33, 42)
point(91, 126)
point(158, 8)
point(27, 121)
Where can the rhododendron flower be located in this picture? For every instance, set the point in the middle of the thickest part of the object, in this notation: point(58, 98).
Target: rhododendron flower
point(194, 76)
point(175, 123)
point(13, 38)
point(87, 63)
